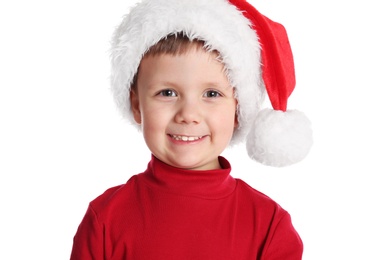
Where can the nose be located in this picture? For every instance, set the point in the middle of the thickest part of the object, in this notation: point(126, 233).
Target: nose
point(188, 112)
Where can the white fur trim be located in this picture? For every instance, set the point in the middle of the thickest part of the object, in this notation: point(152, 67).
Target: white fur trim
point(279, 138)
point(217, 22)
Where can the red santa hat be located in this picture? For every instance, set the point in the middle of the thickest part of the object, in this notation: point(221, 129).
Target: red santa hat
point(255, 52)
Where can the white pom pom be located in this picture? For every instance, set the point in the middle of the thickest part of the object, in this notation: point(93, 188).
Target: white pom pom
point(279, 138)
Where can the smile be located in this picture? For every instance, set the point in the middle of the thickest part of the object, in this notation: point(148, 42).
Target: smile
point(185, 138)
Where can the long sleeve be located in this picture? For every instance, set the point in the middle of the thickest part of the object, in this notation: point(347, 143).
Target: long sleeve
point(283, 243)
point(88, 241)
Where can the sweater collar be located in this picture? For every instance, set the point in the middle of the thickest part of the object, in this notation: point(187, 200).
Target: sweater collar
point(210, 184)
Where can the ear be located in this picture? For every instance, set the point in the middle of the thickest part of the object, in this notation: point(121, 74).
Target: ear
point(236, 121)
point(134, 101)
point(236, 115)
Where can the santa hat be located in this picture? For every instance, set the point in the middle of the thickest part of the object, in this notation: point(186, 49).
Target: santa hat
point(255, 52)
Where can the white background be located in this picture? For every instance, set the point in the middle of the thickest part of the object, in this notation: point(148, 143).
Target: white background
point(62, 142)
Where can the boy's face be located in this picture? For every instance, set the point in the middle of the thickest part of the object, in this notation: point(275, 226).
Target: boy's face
point(186, 107)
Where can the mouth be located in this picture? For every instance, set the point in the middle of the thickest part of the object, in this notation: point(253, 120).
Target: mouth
point(185, 138)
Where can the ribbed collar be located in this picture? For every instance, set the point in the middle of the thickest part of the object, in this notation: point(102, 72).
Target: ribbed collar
point(209, 184)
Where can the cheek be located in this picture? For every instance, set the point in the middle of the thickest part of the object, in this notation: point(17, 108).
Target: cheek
point(230, 114)
point(226, 118)
point(154, 119)
point(151, 126)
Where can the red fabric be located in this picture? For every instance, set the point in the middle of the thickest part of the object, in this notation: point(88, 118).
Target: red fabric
point(276, 55)
point(168, 213)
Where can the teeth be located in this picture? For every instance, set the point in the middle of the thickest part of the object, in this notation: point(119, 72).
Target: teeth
point(186, 138)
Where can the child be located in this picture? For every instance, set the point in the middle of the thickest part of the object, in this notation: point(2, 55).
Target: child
point(191, 75)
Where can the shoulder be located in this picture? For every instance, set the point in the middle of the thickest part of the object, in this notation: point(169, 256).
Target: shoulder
point(114, 196)
point(258, 201)
point(275, 220)
point(252, 193)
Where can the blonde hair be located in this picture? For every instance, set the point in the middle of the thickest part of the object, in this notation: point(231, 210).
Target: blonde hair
point(173, 44)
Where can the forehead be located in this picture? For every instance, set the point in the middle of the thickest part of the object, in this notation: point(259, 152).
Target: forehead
point(194, 67)
point(175, 44)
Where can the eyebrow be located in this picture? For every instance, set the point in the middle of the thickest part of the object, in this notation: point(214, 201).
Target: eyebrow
point(169, 84)
point(218, 85)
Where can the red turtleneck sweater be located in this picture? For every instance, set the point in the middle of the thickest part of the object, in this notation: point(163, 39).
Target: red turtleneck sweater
point(170, 213)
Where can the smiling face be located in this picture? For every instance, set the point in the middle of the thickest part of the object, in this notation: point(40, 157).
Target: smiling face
point(186, 107)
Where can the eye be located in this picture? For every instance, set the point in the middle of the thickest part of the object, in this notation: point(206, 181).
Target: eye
point(212, 94)
point(167, 93)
